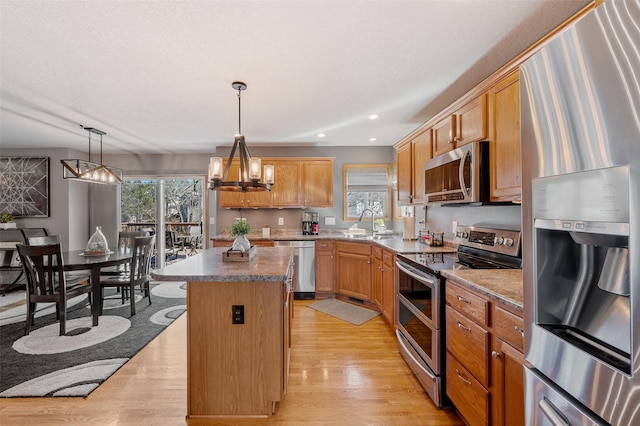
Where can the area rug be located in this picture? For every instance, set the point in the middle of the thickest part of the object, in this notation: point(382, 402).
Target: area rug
point(47, 364)
point(345, 311)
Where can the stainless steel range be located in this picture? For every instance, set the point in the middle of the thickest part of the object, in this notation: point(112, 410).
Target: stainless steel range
point(421, 330)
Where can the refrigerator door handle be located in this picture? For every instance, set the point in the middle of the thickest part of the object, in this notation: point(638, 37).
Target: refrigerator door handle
point(552, 413)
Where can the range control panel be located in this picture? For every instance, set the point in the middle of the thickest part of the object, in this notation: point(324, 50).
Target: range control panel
point(498, 240)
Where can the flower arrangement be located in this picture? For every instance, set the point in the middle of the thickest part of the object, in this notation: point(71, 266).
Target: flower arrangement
point(6, 217)
point(240, 227)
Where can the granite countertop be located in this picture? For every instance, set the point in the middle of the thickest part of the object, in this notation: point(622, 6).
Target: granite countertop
point(501, 285)
point(396, 243)
point(269, 264)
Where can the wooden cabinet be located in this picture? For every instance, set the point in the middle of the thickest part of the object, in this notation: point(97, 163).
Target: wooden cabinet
point(299, 183)
point(504, 136)
point(485, 363)
point(376, 272)
point(410, 160)
point(389, 292)
point(508, 368)
point(467, 124)
point(325, 268)
point(288, 186)
point(404, 164)
point(247, 200)
point(317, 179)
point(443, 134)
point(471, 122)
point(353, 270)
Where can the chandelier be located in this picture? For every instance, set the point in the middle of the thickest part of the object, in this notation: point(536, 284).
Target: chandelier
point(88, 171)
point(249, 167)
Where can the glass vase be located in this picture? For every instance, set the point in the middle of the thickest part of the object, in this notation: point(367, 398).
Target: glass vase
point(97, 243)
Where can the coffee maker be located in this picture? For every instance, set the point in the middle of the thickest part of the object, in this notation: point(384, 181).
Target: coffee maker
point(307, 223)
point(310, 223)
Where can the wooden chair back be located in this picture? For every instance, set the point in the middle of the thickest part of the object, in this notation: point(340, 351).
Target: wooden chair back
point(44, 240)
point(142, 252)
point(43, 268)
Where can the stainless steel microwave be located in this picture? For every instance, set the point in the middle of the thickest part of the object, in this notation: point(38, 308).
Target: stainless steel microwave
point(460, 176)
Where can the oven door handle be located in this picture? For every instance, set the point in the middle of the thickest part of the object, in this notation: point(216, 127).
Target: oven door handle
point(407, 351)
point(423, 278)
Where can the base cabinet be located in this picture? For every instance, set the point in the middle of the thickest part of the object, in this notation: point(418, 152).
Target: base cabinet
point(325, 268)
point(389, 291)
point(485, 361)
point(353, 270)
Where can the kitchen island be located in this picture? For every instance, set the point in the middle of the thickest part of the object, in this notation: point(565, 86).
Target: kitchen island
point(238, 334)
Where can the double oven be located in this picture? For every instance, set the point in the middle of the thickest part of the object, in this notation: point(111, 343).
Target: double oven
point(421, 297)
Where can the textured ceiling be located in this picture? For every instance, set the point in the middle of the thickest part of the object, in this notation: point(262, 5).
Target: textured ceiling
point(156, 75)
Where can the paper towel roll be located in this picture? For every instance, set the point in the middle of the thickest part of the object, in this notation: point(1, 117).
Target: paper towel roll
point(409, 228)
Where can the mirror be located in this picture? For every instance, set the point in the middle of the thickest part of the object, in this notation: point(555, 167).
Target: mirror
point(366, 186)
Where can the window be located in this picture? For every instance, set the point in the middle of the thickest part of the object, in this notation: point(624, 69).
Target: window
point(367, 186)
point(183, 202)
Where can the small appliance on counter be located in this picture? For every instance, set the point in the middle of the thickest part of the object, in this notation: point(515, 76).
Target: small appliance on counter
point(310, 223)
point(306, 223)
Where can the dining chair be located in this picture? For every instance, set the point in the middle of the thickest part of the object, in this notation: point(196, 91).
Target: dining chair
point(139, 273)
point(194, 242)
point(74, 277)
point(125, 244)
point(47, 283)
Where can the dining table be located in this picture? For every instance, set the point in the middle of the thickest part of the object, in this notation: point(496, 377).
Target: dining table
point(77, 260)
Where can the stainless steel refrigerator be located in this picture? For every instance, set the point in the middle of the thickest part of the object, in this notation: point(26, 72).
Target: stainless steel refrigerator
point(580, 139)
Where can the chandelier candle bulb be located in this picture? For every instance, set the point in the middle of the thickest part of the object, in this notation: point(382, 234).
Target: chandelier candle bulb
point(254, 168)
point(215, 168)
point(269, 173)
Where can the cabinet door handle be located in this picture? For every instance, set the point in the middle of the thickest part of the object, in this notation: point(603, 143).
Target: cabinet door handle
point(495, 354)
point(519, 330)
point(464, 379)
point(464, 327)
point(462, 299)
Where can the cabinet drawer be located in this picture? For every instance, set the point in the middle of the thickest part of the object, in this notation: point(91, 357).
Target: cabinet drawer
point(470, 397)
point(510, 328)
point(387, 258)
point(469, 343)
point(468, 303)
point(325, 245)
point(354, 248)
point(377, 252)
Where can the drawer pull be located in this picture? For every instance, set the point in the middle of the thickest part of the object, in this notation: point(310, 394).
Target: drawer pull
point(464, 327)
point(464, 379)
point(462, 299)
point(519, 330)
point(495, 354)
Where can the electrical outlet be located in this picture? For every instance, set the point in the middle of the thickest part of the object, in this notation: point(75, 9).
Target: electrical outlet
point(328, 220)
point(212, 221)
point(281, 221)
point(454, 225)
point(237, 314)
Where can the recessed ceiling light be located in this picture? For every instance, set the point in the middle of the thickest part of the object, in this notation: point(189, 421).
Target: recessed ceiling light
point(373, 116)
point(321, 135)
point(372, 139)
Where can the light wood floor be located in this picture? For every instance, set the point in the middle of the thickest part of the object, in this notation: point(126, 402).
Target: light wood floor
point(340, 374)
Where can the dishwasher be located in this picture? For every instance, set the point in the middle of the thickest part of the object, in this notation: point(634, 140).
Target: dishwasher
point(304, 268)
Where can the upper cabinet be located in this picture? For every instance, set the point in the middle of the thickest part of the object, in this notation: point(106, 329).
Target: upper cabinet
point(410, 163)
point(443, 134)
point(471, 122)
point(504, 136)
point(317, 179)
point(298, 183)
point(467, 124)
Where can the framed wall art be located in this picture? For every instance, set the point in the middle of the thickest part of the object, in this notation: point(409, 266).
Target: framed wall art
point(24, 186)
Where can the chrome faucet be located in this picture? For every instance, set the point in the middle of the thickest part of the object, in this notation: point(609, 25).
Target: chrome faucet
point(373, 220)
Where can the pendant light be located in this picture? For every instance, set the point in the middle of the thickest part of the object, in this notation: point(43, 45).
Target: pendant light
point(88, 171)
point(249, 167)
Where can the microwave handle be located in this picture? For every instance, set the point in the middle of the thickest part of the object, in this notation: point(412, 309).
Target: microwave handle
point(463, 160)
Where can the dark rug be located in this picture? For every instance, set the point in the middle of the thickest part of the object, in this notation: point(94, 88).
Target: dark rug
point(47, 364)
